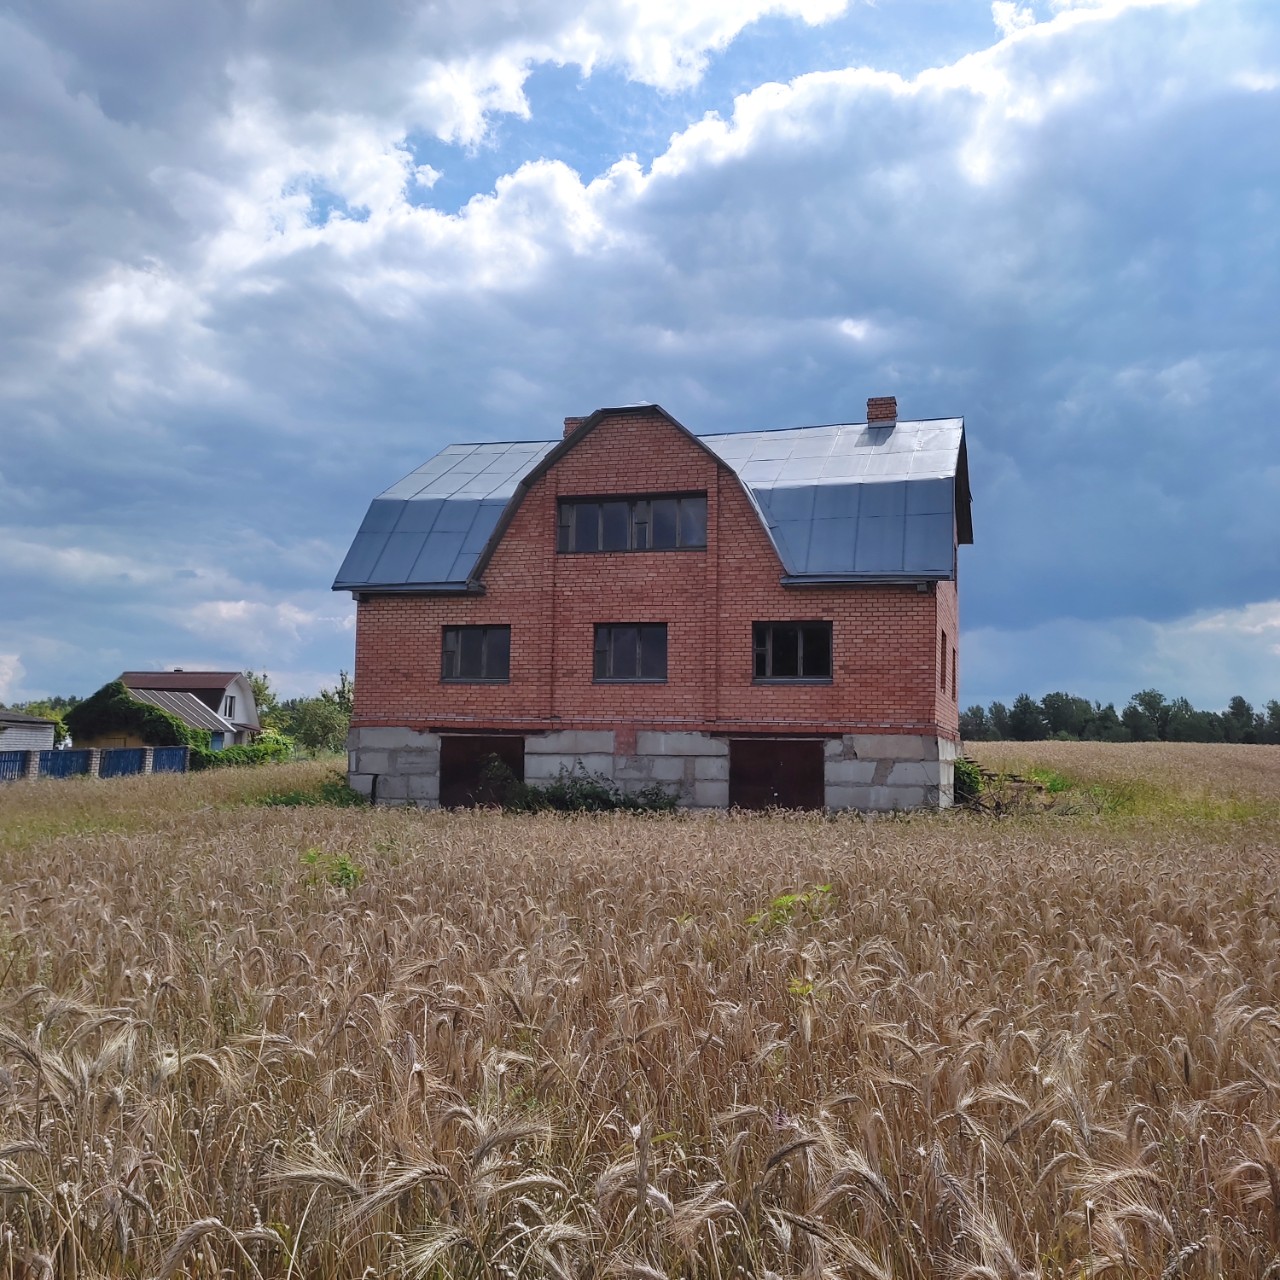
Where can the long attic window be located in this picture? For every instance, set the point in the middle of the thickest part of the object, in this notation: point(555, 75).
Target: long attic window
point(650, 522)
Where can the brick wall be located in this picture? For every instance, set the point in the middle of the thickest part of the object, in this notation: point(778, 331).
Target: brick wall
point(886, 638)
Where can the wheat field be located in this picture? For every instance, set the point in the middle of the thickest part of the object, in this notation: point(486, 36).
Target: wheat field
point(252, 1041)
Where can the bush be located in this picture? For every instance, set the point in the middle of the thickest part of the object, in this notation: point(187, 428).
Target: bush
point(968, 781)
point(572, 792)
point(270, 748)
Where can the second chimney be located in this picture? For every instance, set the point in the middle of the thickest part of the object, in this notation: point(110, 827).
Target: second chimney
point(571, 425)
point(882, 411)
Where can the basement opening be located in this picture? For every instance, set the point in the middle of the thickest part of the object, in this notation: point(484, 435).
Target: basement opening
point(776, 773)
point(464, 758)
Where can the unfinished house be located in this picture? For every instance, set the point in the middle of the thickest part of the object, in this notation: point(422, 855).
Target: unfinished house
point(759, 618)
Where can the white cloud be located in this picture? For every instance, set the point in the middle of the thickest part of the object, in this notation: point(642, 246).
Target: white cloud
point(1208, 656)
point(10, 675)
point(1010, 17)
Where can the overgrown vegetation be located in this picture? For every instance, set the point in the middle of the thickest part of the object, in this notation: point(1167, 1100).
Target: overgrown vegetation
point(573, 791)
point(268, 748)
point(320, 1042)
point(331, 790)
point(112, 711)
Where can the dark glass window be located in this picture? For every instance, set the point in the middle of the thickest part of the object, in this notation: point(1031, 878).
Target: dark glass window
point(476, 654)
point(633, 524)
point(792, 650)
point(631, 651)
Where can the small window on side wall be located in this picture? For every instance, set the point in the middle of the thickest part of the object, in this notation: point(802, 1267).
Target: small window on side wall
point(476, 655)
point(631, 651)
point(792, 650)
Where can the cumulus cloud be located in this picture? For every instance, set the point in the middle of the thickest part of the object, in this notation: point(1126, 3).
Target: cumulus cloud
point(237, 313)
point(1208, 656)
point(10, 675)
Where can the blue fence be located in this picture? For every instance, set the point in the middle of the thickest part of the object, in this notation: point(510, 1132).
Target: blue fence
point(63, 764)
point(169, 760)
point(120, 762)
point(112, 762)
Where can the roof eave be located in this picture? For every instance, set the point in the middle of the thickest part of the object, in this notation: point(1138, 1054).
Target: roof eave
point(860, 579)
point(359, 589)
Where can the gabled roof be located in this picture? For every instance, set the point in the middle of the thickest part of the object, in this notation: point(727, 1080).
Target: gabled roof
point(179, 679)
point(18, 717)
point(186, 706)
point(845, 502)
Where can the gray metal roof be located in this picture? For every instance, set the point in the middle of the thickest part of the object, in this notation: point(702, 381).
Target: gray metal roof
point(429, 529)
point(186, 706)
point(846, 502)
point(855, 501)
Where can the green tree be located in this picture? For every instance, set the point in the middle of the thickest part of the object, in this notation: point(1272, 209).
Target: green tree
point(1241, 723)
point(264, 698)
point(1147, 716)
point(320, 723)
point(1271, 728)
point(1026, 720)
point(1065, 714)
point(998, 718)
point(974, 725)
point(54, 709)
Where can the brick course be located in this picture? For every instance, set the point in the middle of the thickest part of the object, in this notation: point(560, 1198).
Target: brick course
point(887, 637)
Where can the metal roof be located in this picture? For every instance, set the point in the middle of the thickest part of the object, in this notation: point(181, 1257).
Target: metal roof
point(847, 502)
point(855, 501)
point(18, 717)
point(186, 706)
point(429, 529)
point(178, 679)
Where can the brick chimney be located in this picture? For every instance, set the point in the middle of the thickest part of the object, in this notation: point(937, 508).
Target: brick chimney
point(571, 425)
point(882, 411)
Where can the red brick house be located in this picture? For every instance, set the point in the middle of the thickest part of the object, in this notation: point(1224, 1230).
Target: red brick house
point(753, 618)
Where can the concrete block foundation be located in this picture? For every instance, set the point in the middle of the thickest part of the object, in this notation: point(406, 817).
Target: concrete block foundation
point(879, 772)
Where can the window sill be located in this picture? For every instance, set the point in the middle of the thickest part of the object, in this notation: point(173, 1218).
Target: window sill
point(474, 680)
point(628, 551)
point(629, 680)
point(792, 680)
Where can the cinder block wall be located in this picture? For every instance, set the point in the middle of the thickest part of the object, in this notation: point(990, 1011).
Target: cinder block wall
point(888, 655)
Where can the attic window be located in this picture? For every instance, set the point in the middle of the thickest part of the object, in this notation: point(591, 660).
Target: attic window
point(657, 522)
point(229, 707)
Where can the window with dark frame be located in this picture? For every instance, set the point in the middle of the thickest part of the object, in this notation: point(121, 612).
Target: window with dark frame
point(942, 663)
point(655, 522)
point(792, 650)
point(475, 655)
point(631, 652)
point(953, 674)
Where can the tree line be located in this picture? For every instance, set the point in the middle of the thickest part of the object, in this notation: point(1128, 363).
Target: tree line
point(1148, 717)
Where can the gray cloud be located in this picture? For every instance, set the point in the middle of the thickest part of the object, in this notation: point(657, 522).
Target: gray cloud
point(1070, 238)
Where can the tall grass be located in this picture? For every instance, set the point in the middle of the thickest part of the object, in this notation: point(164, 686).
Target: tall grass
point(324, 1042)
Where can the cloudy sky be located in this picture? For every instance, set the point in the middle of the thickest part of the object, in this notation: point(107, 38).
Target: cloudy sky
point(260, 258)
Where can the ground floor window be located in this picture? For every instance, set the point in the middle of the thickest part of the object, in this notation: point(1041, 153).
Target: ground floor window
point(474, 654)
point(792, 650)
point(631, 651)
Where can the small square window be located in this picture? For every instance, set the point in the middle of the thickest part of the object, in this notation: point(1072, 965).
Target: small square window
point(792, 650)
point(631, 651)
point(474, 655)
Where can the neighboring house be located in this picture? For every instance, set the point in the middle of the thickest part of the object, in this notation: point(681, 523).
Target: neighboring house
point(25, 733)
point(220, 701)
point(760, 618)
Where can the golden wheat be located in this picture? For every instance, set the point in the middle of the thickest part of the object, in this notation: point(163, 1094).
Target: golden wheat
point(317, 1042)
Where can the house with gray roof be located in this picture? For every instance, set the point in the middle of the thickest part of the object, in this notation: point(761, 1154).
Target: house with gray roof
point(752, 618)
